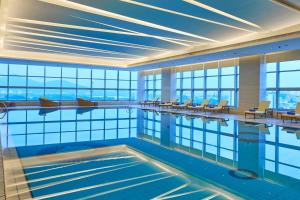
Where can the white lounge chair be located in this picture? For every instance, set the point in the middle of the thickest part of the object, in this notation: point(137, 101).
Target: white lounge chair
point(219, 108)
point(261, 110)
point(292, 116)
point(184, 105)
point(201, 106)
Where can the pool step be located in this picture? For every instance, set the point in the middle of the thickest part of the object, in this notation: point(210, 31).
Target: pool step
point(111, 176)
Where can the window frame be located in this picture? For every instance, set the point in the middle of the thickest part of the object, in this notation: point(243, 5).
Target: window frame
point(180, 90)
point(60, 78)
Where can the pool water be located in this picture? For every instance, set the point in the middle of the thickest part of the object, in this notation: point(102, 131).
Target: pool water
point(117, 173)
point(128, 153)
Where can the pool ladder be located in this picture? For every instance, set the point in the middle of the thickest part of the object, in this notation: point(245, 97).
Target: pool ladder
point(3, 110)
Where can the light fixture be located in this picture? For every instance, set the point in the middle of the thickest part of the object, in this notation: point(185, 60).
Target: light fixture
point(220, 12)
point(105, 13)
point(184, 15)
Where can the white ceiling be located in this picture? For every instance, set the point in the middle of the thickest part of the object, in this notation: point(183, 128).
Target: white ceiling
point(126, 32)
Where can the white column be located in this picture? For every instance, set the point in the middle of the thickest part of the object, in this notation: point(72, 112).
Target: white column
point(168, 84)
point(252, 83)
point(141, 87)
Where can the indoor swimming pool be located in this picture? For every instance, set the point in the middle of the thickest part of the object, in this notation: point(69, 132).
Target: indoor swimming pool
point(129, 153)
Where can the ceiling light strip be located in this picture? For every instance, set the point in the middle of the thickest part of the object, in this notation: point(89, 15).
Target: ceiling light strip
point(206, 7)
point(185, 15)
point(29, 21)
point(110, 42)
point(61, 58)
point(65, 46)
point(97, 11)
point(64, 52)
point(171, 40)
point(142, 34)
point(51, 36)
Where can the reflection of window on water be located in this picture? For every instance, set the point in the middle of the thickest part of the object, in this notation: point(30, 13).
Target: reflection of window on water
point(29, 127)
point(152, 124)
point(282, 151)
point(207, 139)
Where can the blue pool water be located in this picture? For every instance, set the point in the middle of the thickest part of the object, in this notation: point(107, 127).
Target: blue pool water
point(212, 158)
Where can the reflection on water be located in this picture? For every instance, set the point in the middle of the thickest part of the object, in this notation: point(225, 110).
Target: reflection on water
point(51, 126)
point(268, 152)
point(263, 149)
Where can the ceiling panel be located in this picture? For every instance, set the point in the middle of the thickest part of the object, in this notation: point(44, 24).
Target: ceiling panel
point(128, 31)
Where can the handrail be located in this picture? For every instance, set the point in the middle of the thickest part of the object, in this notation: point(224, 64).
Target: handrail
point(5, 108)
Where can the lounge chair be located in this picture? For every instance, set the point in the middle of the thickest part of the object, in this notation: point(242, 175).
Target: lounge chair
point(184, 105)
point(219, 108)
point(168, 104)
point(3, 104)
point(261, 110)
point(44, 102)
point(85, 103)
point(6, 104)
point(292, 115)
point(154, 101)
point(201, 106)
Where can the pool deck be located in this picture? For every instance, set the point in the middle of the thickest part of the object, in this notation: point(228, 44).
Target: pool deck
point(239, 117)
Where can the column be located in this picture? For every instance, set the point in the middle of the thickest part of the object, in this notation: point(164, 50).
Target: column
point(168, 84)
point(252, 83)
point(141, 87)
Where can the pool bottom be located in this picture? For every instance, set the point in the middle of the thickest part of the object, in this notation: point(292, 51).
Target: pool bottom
point(116, 172)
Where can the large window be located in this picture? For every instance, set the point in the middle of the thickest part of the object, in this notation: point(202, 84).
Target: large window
point(30, 82)
point(283, 86)
point(152, 86)
point(212, 84)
